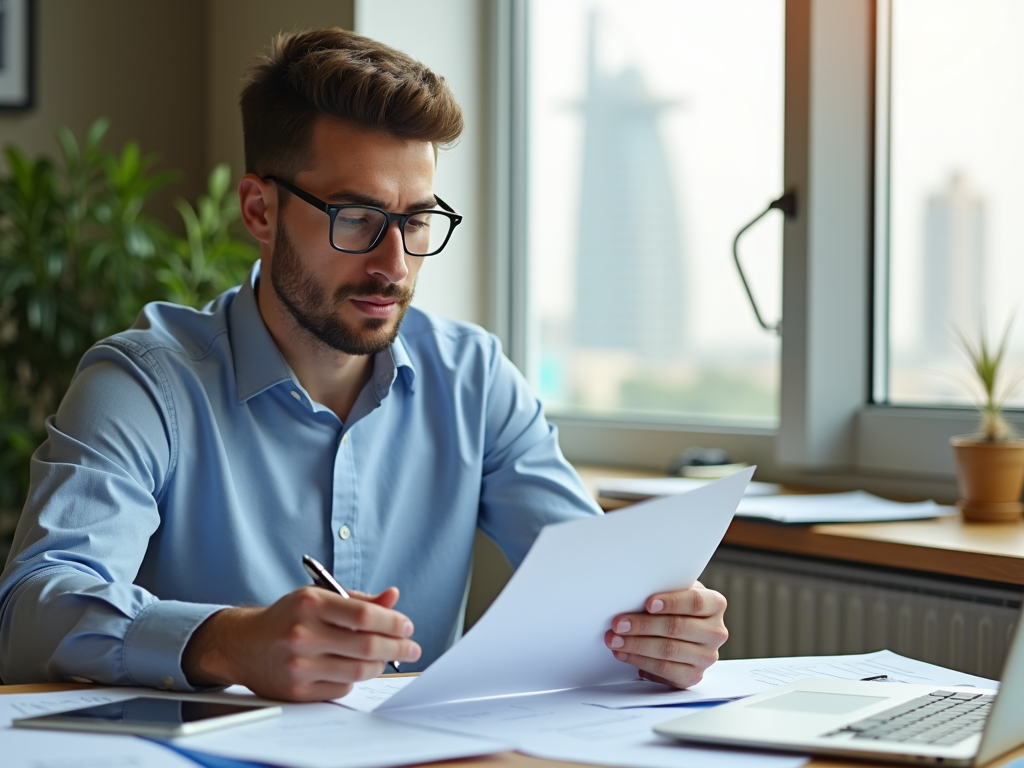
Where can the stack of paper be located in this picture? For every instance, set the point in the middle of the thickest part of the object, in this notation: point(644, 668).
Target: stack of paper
point(638, 489)
point(852, 507)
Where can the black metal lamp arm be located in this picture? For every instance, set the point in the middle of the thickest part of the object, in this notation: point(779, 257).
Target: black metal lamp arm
point(786, 204)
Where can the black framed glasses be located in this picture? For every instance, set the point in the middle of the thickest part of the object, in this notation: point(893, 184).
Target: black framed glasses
point(360, 228)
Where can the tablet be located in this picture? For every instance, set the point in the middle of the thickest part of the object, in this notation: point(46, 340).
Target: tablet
point(163, 717)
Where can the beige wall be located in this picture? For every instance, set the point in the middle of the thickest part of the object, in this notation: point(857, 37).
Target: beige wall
point(239, 29)
point(140, 64)
point(166, 74)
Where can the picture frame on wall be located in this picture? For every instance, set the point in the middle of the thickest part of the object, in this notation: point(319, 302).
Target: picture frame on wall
point(17, 81)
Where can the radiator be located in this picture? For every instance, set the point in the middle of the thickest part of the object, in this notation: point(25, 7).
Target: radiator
point(783, 605)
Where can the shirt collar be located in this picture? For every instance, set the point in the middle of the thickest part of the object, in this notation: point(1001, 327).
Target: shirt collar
point(259, 364)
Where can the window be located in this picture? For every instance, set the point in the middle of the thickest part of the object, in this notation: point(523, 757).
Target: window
point(654, 132)
point(955, 189)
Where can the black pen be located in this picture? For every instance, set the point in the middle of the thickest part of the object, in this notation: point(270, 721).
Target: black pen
point(323, 579)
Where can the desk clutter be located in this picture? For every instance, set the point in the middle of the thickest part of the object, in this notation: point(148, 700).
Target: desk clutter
point(572, 701)
point(766, 501)
point(601, 725)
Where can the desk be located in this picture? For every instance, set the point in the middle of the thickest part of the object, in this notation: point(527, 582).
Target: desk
point(504, 759)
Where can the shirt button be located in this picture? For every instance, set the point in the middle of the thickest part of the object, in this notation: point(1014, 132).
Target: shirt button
point(344, 532)
point(296, 395)
point(168, 683)
point(344, 438)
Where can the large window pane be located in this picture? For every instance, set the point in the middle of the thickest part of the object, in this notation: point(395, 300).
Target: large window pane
point(655, 133)
point(956, 191)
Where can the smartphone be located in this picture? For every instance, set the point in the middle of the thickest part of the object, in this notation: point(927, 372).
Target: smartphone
point(163, 717)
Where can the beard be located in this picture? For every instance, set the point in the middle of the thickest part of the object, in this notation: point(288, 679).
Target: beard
point(308, 302)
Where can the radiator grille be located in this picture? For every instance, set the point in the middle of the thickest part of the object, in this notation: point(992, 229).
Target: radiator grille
point(794, 606)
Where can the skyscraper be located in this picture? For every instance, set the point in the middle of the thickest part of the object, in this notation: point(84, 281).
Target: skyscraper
point(629, 269)
point(954, 266)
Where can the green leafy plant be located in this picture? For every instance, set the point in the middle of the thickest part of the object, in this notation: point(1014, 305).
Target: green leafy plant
point(79, 257)
point(987, 365)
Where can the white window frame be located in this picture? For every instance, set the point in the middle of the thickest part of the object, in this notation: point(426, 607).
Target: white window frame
point(829, 434)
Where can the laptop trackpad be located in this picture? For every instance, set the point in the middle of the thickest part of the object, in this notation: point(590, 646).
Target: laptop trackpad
point(819, 703)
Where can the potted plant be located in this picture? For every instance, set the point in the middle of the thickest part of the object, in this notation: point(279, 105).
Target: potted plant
point(990, 465)
point(79, 256)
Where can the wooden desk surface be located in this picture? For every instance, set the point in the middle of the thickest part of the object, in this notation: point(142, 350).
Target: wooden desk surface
point(948, 546)
point(504, 759)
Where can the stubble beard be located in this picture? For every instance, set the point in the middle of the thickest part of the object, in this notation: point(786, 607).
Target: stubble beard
point(309, 304)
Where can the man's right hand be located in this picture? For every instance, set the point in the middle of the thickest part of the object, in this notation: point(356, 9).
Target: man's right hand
point(311, 645)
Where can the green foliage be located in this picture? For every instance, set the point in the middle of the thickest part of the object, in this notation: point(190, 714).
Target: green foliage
point(79, 257)
point(987, 365)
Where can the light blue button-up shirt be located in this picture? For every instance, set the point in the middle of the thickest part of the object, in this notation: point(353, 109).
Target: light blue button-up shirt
point(187, 469)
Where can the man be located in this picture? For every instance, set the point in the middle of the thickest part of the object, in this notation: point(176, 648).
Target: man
point(198, 456)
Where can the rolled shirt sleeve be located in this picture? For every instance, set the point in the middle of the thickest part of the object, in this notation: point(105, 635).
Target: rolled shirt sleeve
point(68, 605)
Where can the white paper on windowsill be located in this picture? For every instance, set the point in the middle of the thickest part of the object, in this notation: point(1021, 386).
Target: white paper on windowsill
point(650, 487)
point(545, 631)
point(852, 507)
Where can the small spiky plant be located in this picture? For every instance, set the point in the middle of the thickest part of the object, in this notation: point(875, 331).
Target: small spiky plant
point(987, 364)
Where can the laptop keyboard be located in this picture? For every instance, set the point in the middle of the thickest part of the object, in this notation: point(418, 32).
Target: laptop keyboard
point(942, 718)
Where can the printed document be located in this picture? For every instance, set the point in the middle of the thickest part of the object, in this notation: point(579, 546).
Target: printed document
point(633, 488)
point(852, 507)
point(329, 736)
point(52, 749)
point(735, 678)
point(562, 726)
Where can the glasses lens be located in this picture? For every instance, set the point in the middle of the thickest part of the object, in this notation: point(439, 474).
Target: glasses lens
point(426, 232)
point(356, 228)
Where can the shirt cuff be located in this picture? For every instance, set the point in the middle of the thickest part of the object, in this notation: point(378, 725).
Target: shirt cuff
point(156, 640)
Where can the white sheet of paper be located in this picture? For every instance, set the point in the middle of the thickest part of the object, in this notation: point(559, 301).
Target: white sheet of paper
point(852, 507)
point(545, 631)
point(650, 487)
point(367, 695)
point(736, 678)
point(58, 749)
point(18, 705)
point(562, 726)
point(329, 736)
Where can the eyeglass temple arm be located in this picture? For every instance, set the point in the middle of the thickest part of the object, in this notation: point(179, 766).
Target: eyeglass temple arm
point(302, 194)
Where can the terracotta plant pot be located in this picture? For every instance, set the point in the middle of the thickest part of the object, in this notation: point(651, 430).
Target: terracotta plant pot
point(990, 475)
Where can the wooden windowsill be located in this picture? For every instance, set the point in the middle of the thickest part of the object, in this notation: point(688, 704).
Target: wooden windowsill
point(946, 546)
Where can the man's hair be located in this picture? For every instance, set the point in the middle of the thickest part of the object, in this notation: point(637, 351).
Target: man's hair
point(333, 73)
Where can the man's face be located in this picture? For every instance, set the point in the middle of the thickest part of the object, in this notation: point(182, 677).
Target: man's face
point(353, 303)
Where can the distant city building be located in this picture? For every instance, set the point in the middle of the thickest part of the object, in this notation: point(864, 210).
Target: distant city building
point(629, 276)
point(954, 266)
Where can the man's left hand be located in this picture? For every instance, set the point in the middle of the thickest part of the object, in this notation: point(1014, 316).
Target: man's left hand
point(676, 639)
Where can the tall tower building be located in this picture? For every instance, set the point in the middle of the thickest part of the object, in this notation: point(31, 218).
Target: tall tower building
point(629, 269)
point(954, 266)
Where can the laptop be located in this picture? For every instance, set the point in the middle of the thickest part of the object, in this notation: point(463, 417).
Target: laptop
point(895, 722)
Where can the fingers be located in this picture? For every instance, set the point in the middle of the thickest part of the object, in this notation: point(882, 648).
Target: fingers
point(354, 614)
point(676, 640)
point(311, 639)
point(700, 655)
point(710, 630)
point(696, 601)
point(665, 672)
point(388, 598)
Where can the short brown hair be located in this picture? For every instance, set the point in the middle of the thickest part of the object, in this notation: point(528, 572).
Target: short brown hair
point(304, 76)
